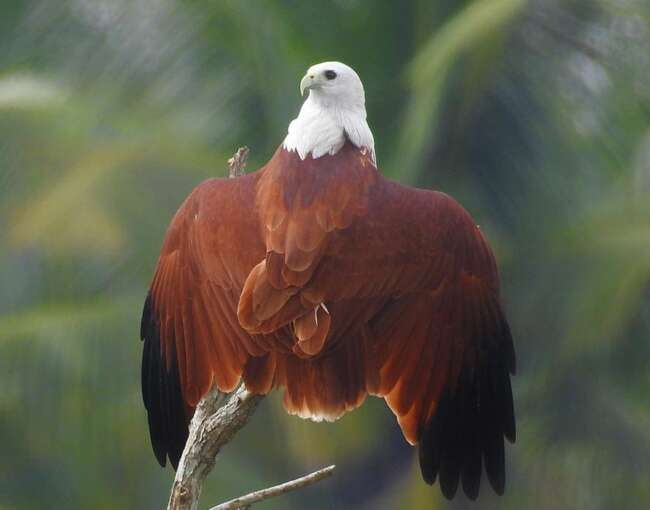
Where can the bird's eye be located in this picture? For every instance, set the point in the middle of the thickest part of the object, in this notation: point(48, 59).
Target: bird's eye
point(330, 75)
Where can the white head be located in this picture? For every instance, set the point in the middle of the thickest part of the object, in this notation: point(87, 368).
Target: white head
point(332, 83)
point(333, 112)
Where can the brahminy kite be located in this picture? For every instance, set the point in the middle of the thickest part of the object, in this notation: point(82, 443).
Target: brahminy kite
point(317, 275)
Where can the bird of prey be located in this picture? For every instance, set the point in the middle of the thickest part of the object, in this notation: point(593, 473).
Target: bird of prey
point(317, 275)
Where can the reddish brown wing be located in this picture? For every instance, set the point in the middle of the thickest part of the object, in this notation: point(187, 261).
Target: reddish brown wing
point(418, 264)
point(192, 339)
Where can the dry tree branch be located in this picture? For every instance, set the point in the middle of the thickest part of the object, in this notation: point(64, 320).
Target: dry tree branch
point(257, 496)
point(217, 418)
point(214, 424)
point(237, 163)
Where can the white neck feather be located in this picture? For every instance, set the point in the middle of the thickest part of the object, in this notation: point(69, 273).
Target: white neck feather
point(322, 127)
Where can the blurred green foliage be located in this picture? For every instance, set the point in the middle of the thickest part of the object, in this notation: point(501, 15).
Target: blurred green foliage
point(534, 114)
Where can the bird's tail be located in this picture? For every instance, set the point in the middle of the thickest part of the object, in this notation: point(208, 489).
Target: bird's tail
point(264, 309)
point(320, 388)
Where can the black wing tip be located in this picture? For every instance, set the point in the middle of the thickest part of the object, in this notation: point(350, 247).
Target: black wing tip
point(175, 452)
point(161, 394)
point(147, 320)
point(471, 487)
point(449, 489)
point(158, 450)
point(466, 434)
point(508, 347)
point(428, 464)
point(428, 478)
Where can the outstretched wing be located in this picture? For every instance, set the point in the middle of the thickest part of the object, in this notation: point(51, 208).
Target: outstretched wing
point(192, 339)
point(437, 332)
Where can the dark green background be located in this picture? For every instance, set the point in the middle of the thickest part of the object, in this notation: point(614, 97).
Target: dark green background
point(535, 115)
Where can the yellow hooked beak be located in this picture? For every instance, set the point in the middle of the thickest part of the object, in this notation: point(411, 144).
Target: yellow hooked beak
point(308, 82)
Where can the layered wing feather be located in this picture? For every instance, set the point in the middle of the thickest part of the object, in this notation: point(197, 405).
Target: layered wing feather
point(302, 206)
point(442, 346)
point(192, 339)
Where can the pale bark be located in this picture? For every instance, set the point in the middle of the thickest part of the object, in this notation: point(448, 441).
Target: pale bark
point(243, 502)
point(214, 424)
